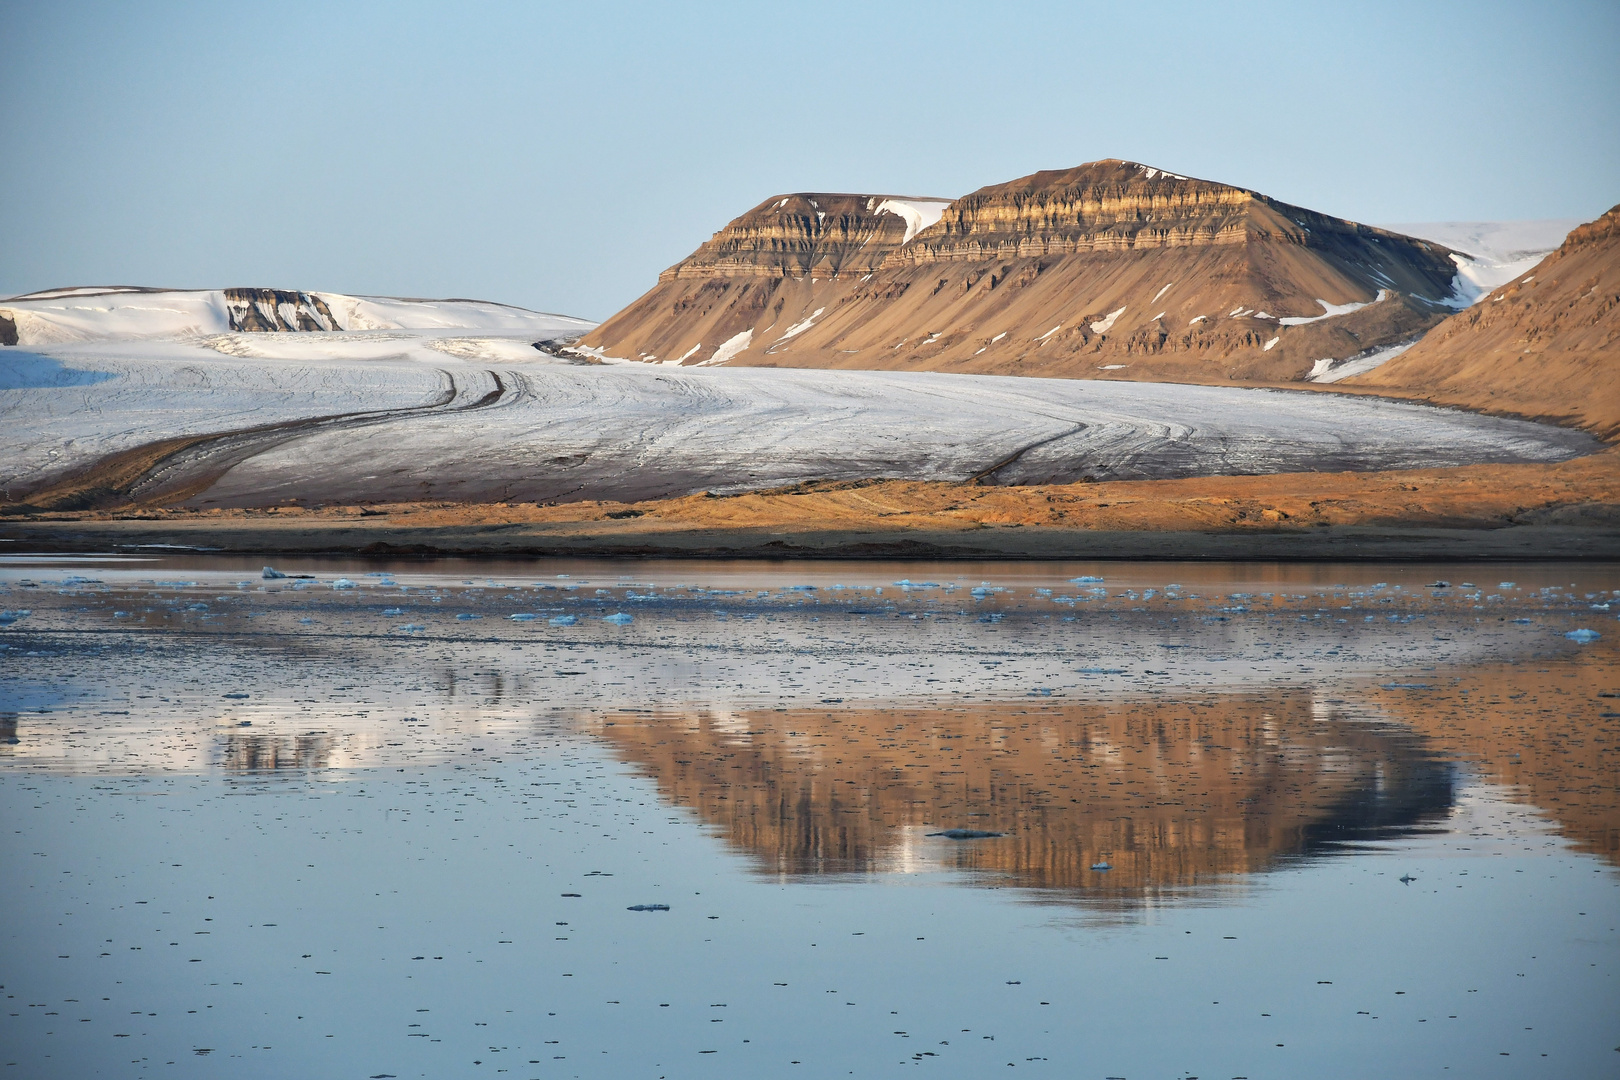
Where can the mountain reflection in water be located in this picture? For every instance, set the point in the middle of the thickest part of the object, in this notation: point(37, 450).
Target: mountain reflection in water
point(1176, 795)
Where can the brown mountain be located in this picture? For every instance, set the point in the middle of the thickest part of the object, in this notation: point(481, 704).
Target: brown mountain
point(1546, 345)
point(1109, 269)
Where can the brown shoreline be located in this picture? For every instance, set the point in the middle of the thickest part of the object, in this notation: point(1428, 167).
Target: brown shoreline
point(1570, 510)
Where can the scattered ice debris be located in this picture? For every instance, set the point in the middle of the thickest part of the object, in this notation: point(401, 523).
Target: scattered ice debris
point(619, 618)
point(9, 617)
point(196, 607)
point(343, 583)
point(1439, 584)
point(1100, 671)
point(524, 616)
point(1583, 635)
point(393, 611)
point(1405, 686)
point(271, 573)
point(648, 907)
point(305, 621)
point(467, 616)
point(1507, 585)
point(120, 614)
point(411, 628)
point(565, 620)
point(967, 834)
point(1085, 579)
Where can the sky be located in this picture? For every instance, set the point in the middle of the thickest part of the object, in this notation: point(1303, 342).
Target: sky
point(558, 156)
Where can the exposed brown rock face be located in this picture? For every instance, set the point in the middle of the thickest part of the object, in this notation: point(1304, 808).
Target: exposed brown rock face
point(1547, 345)
point(275, 309)
point(8, 331)
point(1111, 269)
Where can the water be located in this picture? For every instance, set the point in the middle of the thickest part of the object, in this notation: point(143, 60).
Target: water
point(1352, 825)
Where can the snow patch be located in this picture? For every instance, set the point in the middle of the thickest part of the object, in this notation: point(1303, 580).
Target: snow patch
point(1269, 344)
point(1330, 370)
point(1330, 310)
point(800, 327)
point(729, 348)
point(1105, 324)
point(1160, 293)
point(919, 214)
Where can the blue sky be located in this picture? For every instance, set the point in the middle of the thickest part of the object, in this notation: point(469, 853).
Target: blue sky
point(559, 156)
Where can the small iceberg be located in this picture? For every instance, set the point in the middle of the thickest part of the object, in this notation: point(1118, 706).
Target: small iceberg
point(393, 611)
point(565, 620)
point(343, 583)
point(411, 628)
point(967, 834)
point(1085, 579)
point(271, 573)
point(9, 617)
point(1104, 865)
point(466, 616)
point(619, 618)
point(1583, 635)
point(524, 616)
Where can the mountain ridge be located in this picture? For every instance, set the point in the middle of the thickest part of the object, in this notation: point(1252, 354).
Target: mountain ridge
point(1108, 267)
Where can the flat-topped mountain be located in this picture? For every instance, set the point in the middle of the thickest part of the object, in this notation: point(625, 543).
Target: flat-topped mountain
point(100, 312)
point(1109, 269)
point(1546, 344)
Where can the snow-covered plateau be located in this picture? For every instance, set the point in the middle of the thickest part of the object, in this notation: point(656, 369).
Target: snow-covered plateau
point(470, 414)
point(1498, 251)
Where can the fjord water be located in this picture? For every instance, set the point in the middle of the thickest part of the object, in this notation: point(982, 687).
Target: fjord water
point(393, 819)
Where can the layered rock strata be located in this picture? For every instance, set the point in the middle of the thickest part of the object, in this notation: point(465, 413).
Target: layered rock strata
point(1111, 269)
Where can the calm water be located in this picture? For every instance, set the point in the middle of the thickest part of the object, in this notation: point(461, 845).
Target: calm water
point(391, 819)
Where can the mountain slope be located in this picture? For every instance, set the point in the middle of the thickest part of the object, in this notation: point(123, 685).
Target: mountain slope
point(1546, 345)
point(1108, 269)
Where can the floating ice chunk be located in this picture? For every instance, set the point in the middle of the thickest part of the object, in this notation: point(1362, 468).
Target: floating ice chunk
point(467, 616)
point(1104, 865)
point(305, 621)
point(120, 614)
point(619, 618)
point(1100, 671)
point(1583, 635)
point(393, 611)
point(564, 620)
point(343, 583)
point(524, 616)
point(271, 573)
point(196, 607)
point(9, 617)
point(411, 628)
point(1086, 579)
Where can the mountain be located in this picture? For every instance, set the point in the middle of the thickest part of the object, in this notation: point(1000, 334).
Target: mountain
point(95, 313)
point(1112, 269)
point(1545, 345)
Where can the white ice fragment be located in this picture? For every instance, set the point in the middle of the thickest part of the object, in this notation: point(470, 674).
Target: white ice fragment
point(619, 618)
point(271, 573)
point(1583, 636)
point(524, 616)
point(564, 620)
point(343, 583)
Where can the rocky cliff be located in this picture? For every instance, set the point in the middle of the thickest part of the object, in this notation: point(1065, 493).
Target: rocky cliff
point(1109, 269)
point(1546, 344)
point(278, 309)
